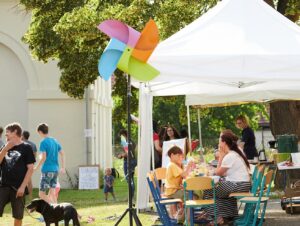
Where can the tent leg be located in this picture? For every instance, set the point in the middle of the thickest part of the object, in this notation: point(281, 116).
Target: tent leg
point(199, 127)
point(189, 125)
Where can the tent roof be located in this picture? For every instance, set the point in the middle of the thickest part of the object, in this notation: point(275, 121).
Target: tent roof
point(236, 42)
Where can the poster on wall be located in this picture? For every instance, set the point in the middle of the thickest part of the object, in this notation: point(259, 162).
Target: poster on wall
point(167, 145)
point(88, 177)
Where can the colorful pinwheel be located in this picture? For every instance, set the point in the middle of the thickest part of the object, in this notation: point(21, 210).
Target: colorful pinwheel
point(128, 50)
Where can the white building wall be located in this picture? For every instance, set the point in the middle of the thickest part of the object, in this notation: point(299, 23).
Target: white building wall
point(29, 94)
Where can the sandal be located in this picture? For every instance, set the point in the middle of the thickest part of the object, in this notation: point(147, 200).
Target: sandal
point(202, 216)
point(220, 221)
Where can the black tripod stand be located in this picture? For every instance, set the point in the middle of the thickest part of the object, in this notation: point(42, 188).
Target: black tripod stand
point(130, 209)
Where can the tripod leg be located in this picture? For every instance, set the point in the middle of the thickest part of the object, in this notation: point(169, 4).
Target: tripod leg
point(123, 215)
point(136, 219)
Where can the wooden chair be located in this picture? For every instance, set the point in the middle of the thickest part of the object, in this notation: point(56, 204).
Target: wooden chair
point(198, 184)
point(161, 203)
point(254, 203)
point(160, 174)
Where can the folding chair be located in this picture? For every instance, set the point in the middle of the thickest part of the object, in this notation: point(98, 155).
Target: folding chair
point(254, 203)
point(198, 184)
point(161, 203)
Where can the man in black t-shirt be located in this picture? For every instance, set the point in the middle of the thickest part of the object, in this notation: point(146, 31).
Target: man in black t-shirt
point(16, 168)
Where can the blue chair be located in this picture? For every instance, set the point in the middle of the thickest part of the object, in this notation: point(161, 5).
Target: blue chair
point(198, 184)
point(254, 203)
point(162, 203)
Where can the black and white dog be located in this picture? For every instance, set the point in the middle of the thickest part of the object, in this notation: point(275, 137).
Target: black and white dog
point(53, 213)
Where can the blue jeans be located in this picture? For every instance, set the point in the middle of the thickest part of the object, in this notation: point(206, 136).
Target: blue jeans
point(126, 175)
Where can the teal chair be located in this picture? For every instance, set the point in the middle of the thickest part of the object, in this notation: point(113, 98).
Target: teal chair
point(254, 203)
point(198, 184)
point(256, 182)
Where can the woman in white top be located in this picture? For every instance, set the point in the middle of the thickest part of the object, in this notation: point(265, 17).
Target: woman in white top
point(234, 166)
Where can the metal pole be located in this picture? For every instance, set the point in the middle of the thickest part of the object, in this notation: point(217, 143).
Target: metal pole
point(129, 157)
point(199, 127)
point(189, 125)
point(130, 209)
point(87, 97)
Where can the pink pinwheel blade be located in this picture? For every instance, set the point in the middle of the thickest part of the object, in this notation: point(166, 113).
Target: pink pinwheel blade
point(120, 31)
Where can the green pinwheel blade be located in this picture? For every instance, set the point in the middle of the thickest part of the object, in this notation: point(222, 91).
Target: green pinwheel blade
point(141, 71)
point(137, 69)
point(123, 63)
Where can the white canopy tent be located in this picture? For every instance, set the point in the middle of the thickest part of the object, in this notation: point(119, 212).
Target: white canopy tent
point(239, 51)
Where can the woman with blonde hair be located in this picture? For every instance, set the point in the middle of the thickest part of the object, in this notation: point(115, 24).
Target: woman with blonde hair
point(248, 137)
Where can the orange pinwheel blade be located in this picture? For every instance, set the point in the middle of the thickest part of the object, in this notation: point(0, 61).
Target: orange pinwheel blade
point(147, 42)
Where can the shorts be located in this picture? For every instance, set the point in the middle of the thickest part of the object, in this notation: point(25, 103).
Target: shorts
point(48, 180)
point(179, 194)
point(8, 195)
point(108, 189)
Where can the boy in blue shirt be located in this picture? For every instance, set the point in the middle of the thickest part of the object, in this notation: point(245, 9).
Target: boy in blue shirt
point(50, 150)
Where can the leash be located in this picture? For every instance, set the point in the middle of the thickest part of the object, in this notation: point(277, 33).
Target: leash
point(24, 206)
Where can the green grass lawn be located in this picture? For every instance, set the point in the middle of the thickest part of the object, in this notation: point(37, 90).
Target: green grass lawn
point(88, 203)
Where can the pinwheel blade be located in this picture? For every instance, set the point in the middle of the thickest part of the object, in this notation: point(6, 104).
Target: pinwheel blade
point(147, 42)
point(123, 64)
point(141, 71)
point(110, 58)
point(122, 32)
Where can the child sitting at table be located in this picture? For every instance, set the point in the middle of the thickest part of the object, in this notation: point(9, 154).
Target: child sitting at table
point(174, 176)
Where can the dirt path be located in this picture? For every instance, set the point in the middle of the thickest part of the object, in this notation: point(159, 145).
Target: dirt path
point(275, 216)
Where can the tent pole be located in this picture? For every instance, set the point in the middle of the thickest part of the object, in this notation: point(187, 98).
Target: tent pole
point(189, 125)
point(199, 127)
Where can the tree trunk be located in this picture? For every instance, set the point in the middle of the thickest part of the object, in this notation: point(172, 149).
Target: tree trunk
point(285, 117)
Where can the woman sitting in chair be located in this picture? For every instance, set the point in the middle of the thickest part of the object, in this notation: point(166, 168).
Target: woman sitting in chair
point(234, 166)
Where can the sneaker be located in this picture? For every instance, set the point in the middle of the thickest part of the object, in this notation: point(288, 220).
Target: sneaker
point(41, 219)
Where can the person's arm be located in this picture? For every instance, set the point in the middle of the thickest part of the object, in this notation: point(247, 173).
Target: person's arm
point(5, 149)
point(62, 159)
point(157, 147)
point(43, 157)
point(21, 189)
point(221, 169)
point(188, 169)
